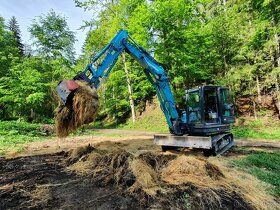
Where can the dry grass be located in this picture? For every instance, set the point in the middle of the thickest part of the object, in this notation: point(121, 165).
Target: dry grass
point(213, 177)
point(41, 193)
point(211, 183)
point(250, 188)
point(81, 110)
point(146, 177)
point(186, 169)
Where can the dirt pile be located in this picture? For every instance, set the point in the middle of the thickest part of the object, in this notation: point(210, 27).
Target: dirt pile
point(161, 181)
point(81, 110)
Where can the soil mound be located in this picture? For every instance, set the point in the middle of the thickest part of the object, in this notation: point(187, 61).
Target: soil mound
point(81, 110)
point(161, 181)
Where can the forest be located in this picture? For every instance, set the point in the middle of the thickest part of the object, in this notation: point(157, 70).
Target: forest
point(234, 43)
point(116, 162)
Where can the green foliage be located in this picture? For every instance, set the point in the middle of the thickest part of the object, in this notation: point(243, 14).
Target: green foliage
point(265, 166)
point(52, 36)
point(27, 82)
point(13, 26)
point(18, 127)
point(231, 43)
point(13, 134)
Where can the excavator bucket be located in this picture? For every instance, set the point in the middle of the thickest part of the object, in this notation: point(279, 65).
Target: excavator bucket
point(66, 89)
point(80, 106)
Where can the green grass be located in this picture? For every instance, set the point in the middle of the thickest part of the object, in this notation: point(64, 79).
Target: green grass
point(156, 122)
point(265, 166)
point(148, 123)
point(14, 134)
point(152, 120)
point(260, 133)
point(258, 129)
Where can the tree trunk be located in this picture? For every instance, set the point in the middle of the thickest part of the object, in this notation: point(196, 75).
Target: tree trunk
point(278, 96)
point(225, 63)
point(131, 101)
point(32, 115)
point(254, 107)
point(253, 101)
point(113, 96)
point(258, 89)
point(276, 36)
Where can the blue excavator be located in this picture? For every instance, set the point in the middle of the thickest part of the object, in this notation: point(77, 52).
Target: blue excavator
point(203, 123)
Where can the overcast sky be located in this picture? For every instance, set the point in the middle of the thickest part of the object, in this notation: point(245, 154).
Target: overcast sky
point(26, 10)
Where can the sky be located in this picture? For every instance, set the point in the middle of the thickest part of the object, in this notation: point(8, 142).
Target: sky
point(26, 10)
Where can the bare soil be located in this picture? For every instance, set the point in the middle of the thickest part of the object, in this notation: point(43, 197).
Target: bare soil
point(123, 172)
point(41, 182)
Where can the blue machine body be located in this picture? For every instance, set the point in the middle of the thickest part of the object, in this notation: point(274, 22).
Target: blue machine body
point(153, 70)
point(209, 109)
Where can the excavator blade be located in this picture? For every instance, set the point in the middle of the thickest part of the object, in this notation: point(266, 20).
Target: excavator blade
point(211, 145)
point(202, 142)
point(66, 89)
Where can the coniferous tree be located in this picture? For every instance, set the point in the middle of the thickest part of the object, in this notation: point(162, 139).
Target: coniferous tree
point(13, 26)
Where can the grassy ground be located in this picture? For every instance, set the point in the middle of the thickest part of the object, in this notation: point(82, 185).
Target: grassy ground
point(265, 166)
point(153, 119)
point(262, 128)
point(14, 134)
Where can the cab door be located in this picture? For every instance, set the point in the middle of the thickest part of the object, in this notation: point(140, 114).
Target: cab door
point(226, 105)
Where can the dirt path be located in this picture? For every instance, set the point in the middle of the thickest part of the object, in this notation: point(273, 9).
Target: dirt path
point(142, 138)
point(55, 145)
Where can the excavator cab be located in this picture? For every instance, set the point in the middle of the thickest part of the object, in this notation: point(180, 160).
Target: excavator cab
point(209, 110)
point(209, 113)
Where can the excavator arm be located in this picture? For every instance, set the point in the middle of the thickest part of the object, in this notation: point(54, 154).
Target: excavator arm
point(152, 69)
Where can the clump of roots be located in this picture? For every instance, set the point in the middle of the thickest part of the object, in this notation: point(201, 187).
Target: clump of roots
point(82, 109)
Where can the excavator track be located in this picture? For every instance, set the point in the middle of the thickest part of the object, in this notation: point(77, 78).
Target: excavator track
point(220, 144)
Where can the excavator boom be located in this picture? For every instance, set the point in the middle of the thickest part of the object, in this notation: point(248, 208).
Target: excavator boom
point(154, 72)
point(204, 123)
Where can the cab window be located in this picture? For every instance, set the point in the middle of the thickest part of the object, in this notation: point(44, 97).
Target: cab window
point(194, 107)
point(227, 103)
